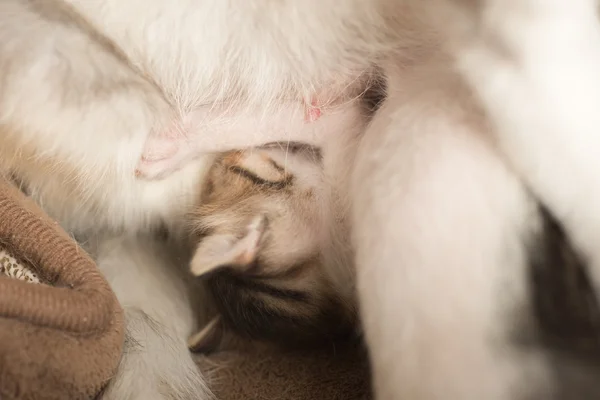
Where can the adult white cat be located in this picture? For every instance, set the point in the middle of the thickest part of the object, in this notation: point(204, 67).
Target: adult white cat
point(89, 84)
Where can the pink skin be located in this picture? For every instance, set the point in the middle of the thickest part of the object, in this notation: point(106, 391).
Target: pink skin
point(208, 130)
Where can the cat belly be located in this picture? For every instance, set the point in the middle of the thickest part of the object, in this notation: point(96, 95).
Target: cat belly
point(208, 130)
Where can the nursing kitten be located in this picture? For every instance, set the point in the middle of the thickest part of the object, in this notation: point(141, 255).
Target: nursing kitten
point(261, 236)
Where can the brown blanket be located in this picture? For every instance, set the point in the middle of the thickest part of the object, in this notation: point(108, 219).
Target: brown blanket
point(261, 373)
point(61, 328)
point(60, 340)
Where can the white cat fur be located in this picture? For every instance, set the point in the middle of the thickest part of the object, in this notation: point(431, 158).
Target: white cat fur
point(161, 311)
point(441, 263)
point(442, 216)
point(534, 65)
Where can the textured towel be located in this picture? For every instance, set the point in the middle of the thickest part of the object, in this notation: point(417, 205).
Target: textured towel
point(11, 267)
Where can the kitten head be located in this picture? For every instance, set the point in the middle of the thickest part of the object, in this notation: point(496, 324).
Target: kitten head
point(260, 248)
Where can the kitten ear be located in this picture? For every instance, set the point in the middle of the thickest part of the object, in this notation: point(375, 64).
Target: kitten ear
point(226, 250)
point(208, 339)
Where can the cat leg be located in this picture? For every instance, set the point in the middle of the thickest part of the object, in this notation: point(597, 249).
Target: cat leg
point(74, 118)
point(534, 65)
point(156, 363)
point(441, 264)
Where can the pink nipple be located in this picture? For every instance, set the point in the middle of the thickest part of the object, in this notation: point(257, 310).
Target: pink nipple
point(313, 111)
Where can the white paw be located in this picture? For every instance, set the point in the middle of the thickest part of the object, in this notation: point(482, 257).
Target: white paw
point(156, 365)
point(163, 155)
